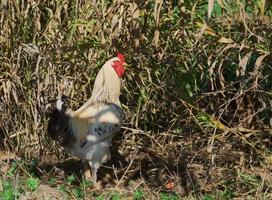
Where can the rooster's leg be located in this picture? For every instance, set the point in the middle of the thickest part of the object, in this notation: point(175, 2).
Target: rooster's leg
point(94, 165)
point(94, 172)
point(87, 171)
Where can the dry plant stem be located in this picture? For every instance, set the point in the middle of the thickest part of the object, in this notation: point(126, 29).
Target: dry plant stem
point(71, 193)
point(125, 173)
point(150, 136)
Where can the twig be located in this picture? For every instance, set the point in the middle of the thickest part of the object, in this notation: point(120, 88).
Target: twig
point(123, 176)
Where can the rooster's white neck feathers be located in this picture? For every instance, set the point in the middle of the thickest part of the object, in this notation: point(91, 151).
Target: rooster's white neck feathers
point(107, 86)
point(107, 82)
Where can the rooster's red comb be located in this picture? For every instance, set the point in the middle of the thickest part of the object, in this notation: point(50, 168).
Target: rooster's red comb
point(121, 57)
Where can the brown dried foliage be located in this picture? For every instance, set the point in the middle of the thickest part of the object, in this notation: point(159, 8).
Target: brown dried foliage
point(200, 89)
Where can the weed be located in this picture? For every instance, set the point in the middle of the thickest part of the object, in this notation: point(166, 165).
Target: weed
point(8, 192)
point(78, 192)
point(12, 169)
point(52, 181)
point(115, 196)
point(32, 183)
point(71, 179)
point(139, 194)
point(168, 196)
point(100, 197)
point(208, 197)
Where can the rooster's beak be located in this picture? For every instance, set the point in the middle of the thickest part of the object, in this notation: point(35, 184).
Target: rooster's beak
point(125, 64)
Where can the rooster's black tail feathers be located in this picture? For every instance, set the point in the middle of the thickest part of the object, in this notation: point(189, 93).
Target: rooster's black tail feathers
point(58, 124)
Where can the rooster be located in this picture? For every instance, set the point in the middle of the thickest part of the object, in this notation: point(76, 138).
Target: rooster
point(88, 131)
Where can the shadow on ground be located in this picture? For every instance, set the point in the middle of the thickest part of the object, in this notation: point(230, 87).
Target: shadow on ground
point(148, 168)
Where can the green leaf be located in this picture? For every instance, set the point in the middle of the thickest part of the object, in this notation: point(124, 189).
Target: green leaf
point(32, 183)
point(115, 196)
point(78, 192)
point(208, 197)
point(12, 169)
point(8, 192)
point(177, 131)
point(62, 188)
point(139, 194)
point(52, 181)
point(86, 183)
point(71, 179)
point(100, 197)
point(169, 196)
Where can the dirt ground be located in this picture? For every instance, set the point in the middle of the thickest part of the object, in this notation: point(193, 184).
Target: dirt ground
point(186, 169)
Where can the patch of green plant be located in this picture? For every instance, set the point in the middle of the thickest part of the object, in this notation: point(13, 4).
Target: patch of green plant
point(78, 192)
point(205, 119)
point(32, 183)
point(208, 197)
point(248, 179)
point(33, 165)
point(8, 192)
point(177, 131)
point(86, 183)
point(228, 194)
point(69, 186)
point(187, 81)
point(229, 191)
point(63, 188)
point(169, 196)
point(100, 197)
point(12, 169)
point(71, 179)
point(115, 196)
point(52, 181)
point(139, 194)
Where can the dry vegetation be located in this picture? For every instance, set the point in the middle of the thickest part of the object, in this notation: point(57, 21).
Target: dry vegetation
point(197, 93)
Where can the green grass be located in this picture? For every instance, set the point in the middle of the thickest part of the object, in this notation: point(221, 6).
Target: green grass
point(139, 194)
point(32, 183)
point(8, 192)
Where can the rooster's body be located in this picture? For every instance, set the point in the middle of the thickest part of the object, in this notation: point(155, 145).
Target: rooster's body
point(88, 131)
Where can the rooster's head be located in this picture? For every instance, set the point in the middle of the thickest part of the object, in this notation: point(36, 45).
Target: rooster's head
point(119, 64)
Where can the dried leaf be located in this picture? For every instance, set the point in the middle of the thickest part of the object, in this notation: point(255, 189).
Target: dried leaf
point(206, 28)
point(135, 18)
point(225, 40)
point(210, 7)
point(257, 68)
point(221, 76)
point(217, 123)
point(221, 3)
point(157, 10)
point(229, 46)
point(242, 65)
point(30, 48)
point(259, 62)
point(15, 96)
point(261, 5)
point(114, 26)
point(169, 185)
